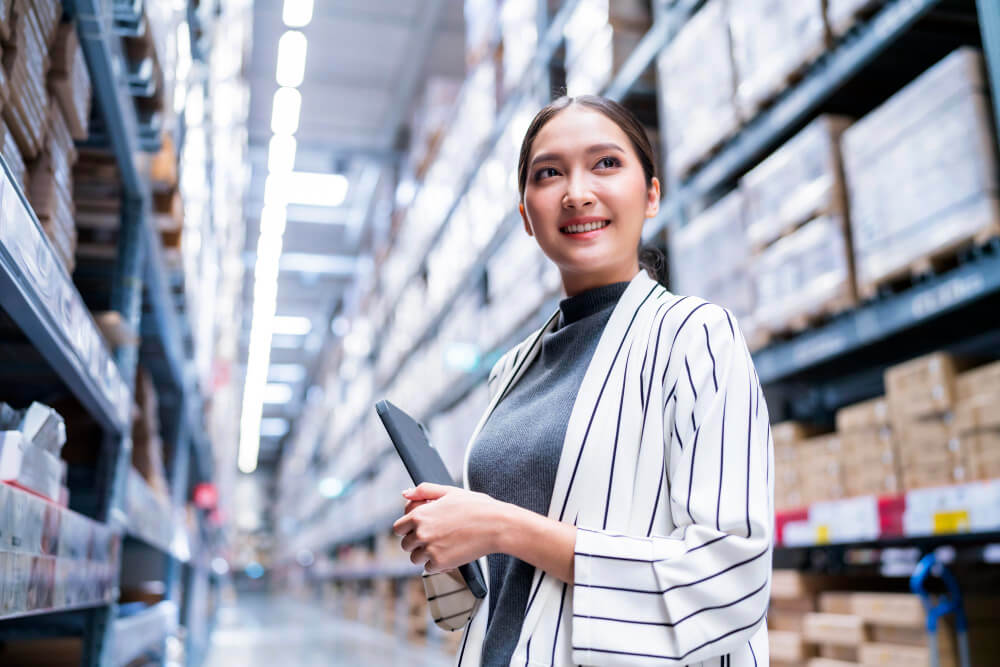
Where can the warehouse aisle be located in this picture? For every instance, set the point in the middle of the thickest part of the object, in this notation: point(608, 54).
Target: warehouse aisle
point(265, 630)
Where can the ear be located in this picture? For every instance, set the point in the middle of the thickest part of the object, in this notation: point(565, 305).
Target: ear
point(653, 198)
point(524, 219)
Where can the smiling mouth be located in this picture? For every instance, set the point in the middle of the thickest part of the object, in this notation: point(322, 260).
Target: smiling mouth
point(586, 227)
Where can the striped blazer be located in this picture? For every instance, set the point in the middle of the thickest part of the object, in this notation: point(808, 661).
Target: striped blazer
point(666, 472)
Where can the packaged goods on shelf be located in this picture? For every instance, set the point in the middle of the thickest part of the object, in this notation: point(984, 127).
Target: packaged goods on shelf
point(922, 174)
point(871, 457)
point(801, 180)
point(12, 156)
point(976, 428)
point(430, 121)
point(773, 40)
point(43, 427)
point(168, 209)
point(922, 387)
point(50, 188)
point(97, 198)
point(30, 466)
point(709, 258)
point(804, 276)
point(147, 446)
point(597, 46)
point(163, 166)
point(843, 14)
point(697, 85)
point(69, 80)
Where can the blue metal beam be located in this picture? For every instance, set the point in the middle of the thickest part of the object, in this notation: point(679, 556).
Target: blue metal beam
point(989, 25)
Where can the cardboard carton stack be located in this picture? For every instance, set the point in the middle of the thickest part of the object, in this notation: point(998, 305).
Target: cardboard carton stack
point(871, 459)
point(710, 258)
point(147, 446)
point(69, 80)
point(977, 420)
point(50, 190)
point(97, 197)
point(922, 174)
point(797, 228)
point(12, 156)
point(697, 85)
point(921, 397)
point(600, 36)
point(788, 460)
point(773, 40)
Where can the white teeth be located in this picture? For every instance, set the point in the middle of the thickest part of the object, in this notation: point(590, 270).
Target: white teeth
point(589, 227)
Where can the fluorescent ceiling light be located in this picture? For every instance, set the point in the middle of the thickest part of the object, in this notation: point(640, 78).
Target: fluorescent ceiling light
point(286, 110)
point(273, 427)
point(290, 373)
point(281, 153)
point(291, 325)
point(310, 189)
point(297, 13)
point(278, 394)
point(291, 59)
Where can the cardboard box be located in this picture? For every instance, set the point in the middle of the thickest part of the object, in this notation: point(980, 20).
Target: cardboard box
point(836, 629)
point(980, 380)
point(871, 414)
point(836, 602)
point(921, 387)
point(977, 412)
point(891, 609)
point(786, 646)
point(874, 654)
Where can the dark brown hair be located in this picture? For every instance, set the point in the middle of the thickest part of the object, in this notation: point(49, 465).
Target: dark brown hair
point(650, 259)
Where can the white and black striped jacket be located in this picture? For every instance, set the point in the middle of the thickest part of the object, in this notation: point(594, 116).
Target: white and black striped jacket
point(666, 472)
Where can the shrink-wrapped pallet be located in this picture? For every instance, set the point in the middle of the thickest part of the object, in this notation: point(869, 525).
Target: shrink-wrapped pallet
point(772, 41)
point(803, 276)
point(801, 180)
point(709, 258)
point(697, 85)
point(51, 188)
point(922, 173)
point(69, 80)
point(597, 45)
point(430, 121)
point(12, 156)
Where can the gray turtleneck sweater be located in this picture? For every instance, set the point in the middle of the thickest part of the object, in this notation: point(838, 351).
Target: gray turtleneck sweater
point(516, 456)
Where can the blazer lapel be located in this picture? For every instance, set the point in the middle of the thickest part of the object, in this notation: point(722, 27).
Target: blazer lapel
point(573, 471)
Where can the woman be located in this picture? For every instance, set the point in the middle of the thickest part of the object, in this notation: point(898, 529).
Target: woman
point(618, 490)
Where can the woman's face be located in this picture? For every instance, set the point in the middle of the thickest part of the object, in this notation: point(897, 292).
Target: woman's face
point(586, 198)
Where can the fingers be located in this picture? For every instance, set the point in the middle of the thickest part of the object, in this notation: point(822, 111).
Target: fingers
point(414, 504)
point(404, 525)
point(426, 491)
point(410, 542)
point(419, 556)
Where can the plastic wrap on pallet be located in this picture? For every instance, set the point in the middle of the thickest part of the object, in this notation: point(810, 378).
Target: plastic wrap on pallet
point(772, 40)
point(802, 179)
point(803, 274)
point(709, 258)
point(697, 85)
point(921, 171)
point(50, 188)
point(597, 45)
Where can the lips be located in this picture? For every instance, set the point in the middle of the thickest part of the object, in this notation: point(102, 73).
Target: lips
point(578, 226)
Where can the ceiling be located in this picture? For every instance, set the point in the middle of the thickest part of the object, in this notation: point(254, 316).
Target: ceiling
point(365, 67)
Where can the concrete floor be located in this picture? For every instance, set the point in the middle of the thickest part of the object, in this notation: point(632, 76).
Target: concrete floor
point(266, 631)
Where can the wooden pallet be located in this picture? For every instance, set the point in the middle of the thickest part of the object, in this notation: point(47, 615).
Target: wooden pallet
point(845, 299)
point(943, 259)
point(840, 27)
point(750, 106)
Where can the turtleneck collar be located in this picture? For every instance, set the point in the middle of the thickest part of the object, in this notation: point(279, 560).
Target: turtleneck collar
point(589, 302)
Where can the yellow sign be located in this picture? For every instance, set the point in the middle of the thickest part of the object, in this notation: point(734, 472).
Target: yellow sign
point(956, 521)
point(823, 534)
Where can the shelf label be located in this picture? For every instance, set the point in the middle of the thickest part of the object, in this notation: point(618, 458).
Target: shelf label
point(956, 521)
point(823, 533)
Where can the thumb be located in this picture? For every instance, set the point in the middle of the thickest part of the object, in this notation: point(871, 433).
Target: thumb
point(426, 491)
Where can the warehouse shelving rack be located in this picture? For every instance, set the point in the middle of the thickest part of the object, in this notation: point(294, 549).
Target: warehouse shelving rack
point(40, 298)
point(976, 280)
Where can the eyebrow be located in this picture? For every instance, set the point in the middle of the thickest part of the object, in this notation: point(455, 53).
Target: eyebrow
point(596, 148)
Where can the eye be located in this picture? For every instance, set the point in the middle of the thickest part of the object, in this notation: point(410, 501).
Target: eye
point(545, 172)
point(608, 162)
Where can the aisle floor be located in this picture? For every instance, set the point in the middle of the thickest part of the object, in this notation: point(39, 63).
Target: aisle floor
point(263, 630)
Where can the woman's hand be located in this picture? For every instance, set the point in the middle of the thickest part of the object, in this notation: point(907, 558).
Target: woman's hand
point(448, 526)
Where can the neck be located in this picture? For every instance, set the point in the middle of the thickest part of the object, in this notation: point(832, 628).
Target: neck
point(575, 283)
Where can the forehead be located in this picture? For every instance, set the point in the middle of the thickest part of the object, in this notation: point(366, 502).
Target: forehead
point(575, 128)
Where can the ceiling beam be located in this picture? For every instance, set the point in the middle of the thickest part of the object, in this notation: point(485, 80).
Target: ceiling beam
point(315, 264)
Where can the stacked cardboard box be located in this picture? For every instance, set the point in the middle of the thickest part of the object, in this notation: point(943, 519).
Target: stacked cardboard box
point(772, 41)
point(871, 460)
point(147, 446)
point(430, 122)
point(843, 14)
point(797, 227)
point(788, 488)
point(69, 80)
point(977, 420)
point(600, 36)
point(922, 173)
point(97, 197)
point(921, 397)
point(709, 258)
point(25, 59)
point(50, 188)
point(12, 156)
point(697, 85)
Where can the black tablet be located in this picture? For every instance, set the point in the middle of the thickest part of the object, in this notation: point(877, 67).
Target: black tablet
point(424, 465)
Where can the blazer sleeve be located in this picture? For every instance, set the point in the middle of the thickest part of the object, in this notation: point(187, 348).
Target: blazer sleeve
point(449, 599)
point(702, 591)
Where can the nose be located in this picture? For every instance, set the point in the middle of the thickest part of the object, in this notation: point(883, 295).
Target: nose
point(578, 194)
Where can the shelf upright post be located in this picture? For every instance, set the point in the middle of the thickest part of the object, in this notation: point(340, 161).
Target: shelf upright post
point(989, 25)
